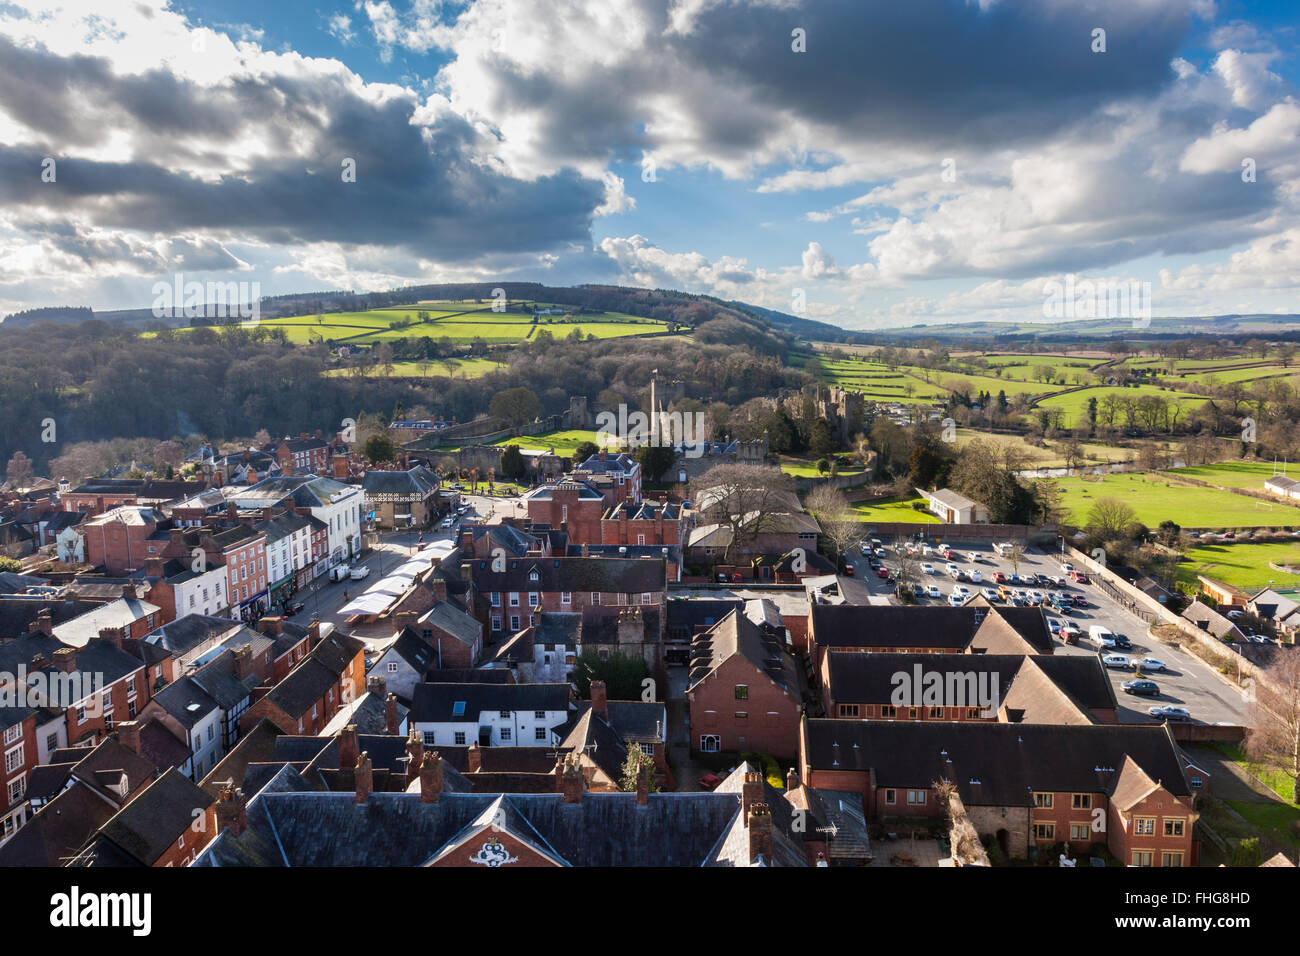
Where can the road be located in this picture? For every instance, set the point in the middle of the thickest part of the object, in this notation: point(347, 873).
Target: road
point(1188, 681)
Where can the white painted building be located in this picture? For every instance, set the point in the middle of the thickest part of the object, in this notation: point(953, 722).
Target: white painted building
point(491, 715)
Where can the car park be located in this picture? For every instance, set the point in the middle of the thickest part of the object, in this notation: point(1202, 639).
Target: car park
point(1141, 687)
point(1116, 660)
point(1151, 664)
point(1170, 713)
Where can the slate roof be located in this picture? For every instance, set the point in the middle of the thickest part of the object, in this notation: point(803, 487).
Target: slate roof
point(517, 543)
point(545, 492)
point(120, 613)
point(471, 675)
point(413, 649)
point(434, 703)
point(994, 764)
point(417, 483)
point(186, 633)
point(763, 648)
point(149, 825)
point(453, 622)
point(292, 828)
point(185, 701)
point(612, 464)
point(609, 575)
point(871, 625)
point(307, 683)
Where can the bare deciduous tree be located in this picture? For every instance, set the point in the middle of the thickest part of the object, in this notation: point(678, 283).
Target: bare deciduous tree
point(1275, 737)
point(748, 499)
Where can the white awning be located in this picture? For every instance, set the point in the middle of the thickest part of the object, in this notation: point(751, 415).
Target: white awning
point(368, 603)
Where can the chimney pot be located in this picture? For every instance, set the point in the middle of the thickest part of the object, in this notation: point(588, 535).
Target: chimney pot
point(751, 791)
point(475, 757)
point(65, 659)
point(758, 822)
point(232, 811)
point(415, 756)
point(571, 780)
point(391, 719)
point(364, 775)
point(348, 747)
point(431, 778)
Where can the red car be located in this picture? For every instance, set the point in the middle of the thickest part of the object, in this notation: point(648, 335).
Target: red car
point(1079, 577)
point(709, 781)
point(737, 578)
point(848, 570)
point(882, 573)
point(999, 577)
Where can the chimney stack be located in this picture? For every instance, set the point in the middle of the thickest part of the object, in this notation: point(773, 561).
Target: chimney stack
point(392, 722)
point(377, 686)
point(270, 625)
point(65, 659)
point(112, 635)
point(153, 567)
point(643, 785)
point(751, 792)
point(128, 735)
point(414, 756)
point(758, 822)
point(243, 661)
point(599, 703)
point(348, 746)
point(232, 811)
point(791, 780)
point(475, 757)
point(128, 590)
point(571, 781)
point(364, 775)
point(431, 778)
point(44, 621)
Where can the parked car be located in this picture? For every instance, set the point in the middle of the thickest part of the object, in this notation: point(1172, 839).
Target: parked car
point(339, 572)
point(1079, 577)
point(951, 568)
point(1070, 633)
point(445, 523)
point(1078, 600)
point(989, 594)
point(975, 576)
point(1058, 581)
point(1122, 642)
point(956, 600)
point(1170, 713)
point(359, 572)
point(999, 578)
point(1117, 660)
point(1141, 687)
point(1151, 664)
point(918, 590)
point(933, 591)
point(1036, 597)
point(927, 568)
point(294, 607)
point(973, 557)
point(1101, 636)
point(709, 781)
point(848, 570)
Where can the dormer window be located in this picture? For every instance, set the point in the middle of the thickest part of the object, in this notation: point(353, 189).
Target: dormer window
point(533, 576)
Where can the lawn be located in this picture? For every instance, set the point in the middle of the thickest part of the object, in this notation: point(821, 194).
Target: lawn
point(1155, 499)
point(564, 442)
point(898, 510)
point(1243, 566)
point(799, 468)
point(1048, 457)
point(1232, 474)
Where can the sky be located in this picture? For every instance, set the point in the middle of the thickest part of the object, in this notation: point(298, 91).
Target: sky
point(868, 163)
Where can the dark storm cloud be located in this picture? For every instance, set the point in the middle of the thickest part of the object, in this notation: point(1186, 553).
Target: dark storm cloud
point(417, 187)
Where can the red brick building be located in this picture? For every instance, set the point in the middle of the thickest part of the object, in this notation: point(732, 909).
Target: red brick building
point(745, 690)
point(570, 505)
point(1029, 786)
point(333, 673)
point(122, 539)
point(644, 523)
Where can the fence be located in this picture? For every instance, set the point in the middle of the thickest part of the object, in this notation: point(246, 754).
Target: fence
point(961, 532)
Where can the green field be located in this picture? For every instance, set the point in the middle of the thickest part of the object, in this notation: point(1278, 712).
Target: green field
point(1243, 566)
point(1232, 474)
point(799, 468)
point(1156, 499)
point(893, 509)
point(458, 322)
point(434, 368)
point(564, 442)
point(1076, 403)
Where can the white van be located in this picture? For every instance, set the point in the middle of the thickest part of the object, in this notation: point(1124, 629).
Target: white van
point(1101, 636)
point(339, 572)
point(1003, 548)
